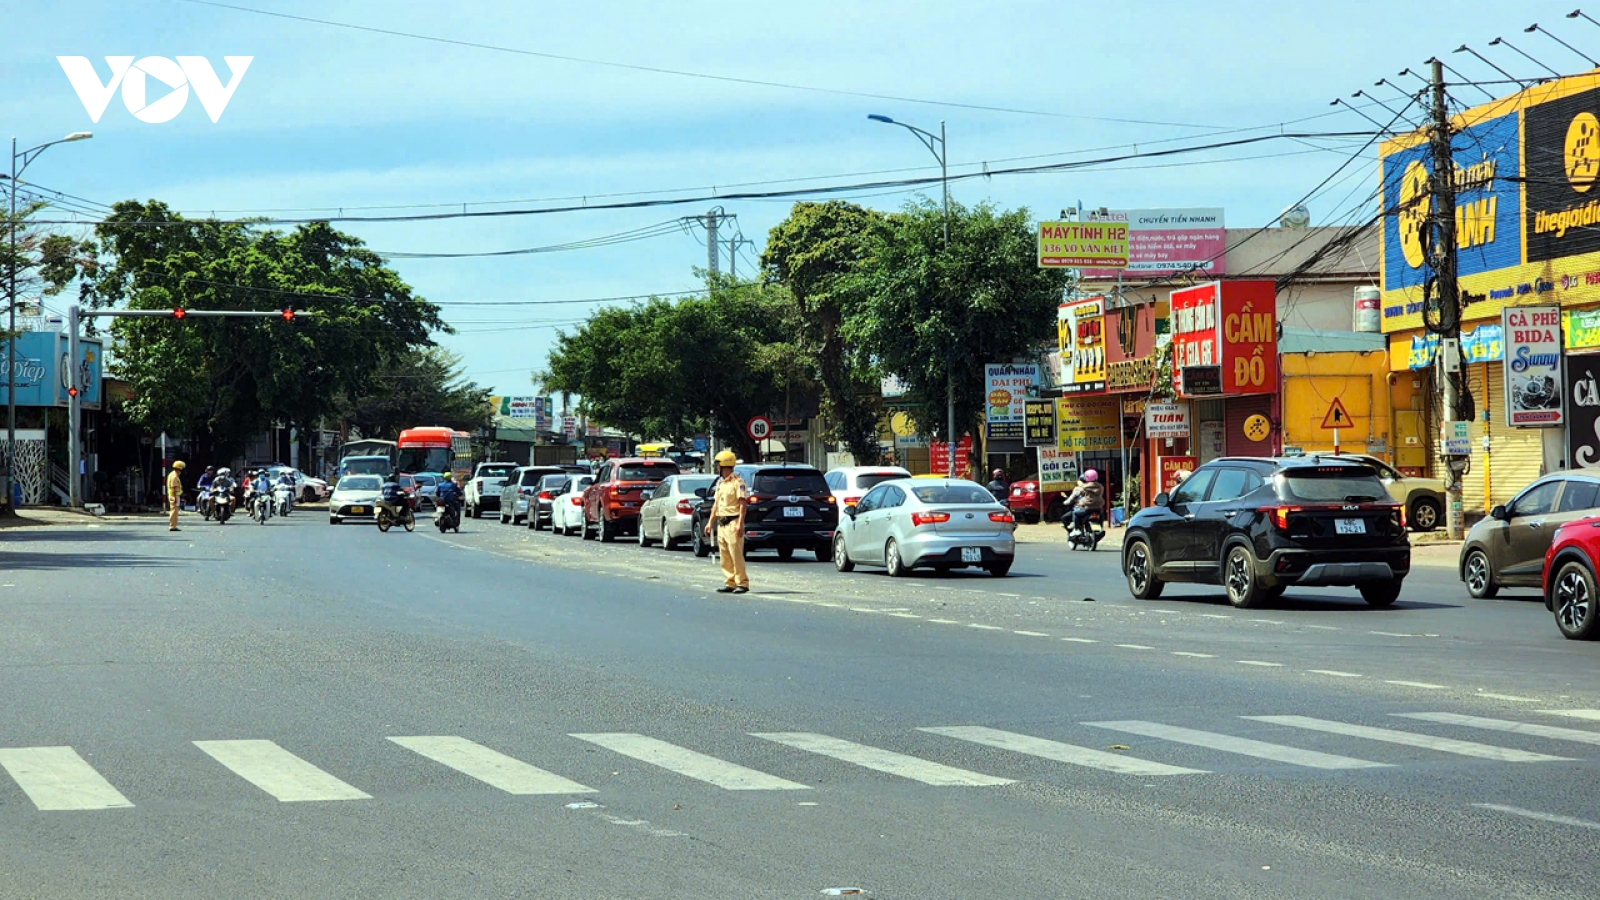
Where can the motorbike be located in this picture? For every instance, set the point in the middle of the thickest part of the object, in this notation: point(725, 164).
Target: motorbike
point(259, 503)
point(221, 505)
point(202, 504)
point(1085, 536)
point(283, 499)
point(447, 518)
point(392, 514)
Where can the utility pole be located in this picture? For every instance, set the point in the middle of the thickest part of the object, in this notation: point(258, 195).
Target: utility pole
point(1441, 246)
point(713, 249)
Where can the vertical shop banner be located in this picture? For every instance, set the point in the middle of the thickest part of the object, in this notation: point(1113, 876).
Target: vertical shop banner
point(1039, 423)
point(1007, 387)
point(1194, 332)
point(1080, 338)
point(1247, 313)
point(1088, 424)
point(569, 427)
point(1058, 469)
point(1533, 365)
point(939, 456)
point(1170, 467)
point(1583, 420)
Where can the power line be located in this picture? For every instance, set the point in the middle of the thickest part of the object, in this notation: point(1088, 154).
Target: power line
point(660, 229)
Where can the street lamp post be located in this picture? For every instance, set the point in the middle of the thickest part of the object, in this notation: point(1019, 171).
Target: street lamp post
point(941, 151)
point(19, 163)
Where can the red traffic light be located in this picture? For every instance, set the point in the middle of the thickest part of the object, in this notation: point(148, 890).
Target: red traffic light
point(179, 313)
point(288, 315)
point(72, 392)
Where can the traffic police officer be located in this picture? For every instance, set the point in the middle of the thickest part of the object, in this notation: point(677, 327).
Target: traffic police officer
point(727, 514)
point(174, 494)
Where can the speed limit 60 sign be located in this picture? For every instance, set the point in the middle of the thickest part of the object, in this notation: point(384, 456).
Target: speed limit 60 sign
point(760, 428)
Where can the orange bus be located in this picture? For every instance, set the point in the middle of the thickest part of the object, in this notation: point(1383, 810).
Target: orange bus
point(435, 449)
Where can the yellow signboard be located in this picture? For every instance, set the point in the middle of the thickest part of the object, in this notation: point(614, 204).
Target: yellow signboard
point(1083, 245)
point(1088, 423)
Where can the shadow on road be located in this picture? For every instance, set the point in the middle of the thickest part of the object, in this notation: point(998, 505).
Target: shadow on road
point(52, 561)
point(58, 536)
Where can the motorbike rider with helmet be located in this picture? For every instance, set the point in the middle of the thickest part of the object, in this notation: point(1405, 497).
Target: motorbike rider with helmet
point(393, 498)
point(448, 494)
point(997, 485)
point(203, 489)
point(1085, 500)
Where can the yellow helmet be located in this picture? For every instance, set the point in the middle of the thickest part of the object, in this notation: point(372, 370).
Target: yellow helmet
point(726, 458)
point(178, 464)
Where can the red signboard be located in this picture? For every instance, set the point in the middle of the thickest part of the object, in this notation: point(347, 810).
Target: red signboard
point(939, 456)
point(1231, 324)
point(1194, 328)
point(1170, 467)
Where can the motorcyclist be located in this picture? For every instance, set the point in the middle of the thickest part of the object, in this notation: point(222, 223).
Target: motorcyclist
point(448, 494)
point(223, 485)
point(203, 488)
point(997, 485)
point(286, 485)
point(393, 497)
point(1085, 500)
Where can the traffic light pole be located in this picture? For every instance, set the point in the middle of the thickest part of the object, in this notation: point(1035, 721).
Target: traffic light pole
point(75, 385)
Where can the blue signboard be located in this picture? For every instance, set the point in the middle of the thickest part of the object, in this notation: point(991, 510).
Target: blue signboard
point(1488, 203)
point(41, 370)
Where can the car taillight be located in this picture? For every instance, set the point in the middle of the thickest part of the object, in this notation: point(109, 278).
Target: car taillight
point(1001, 517)
point(851, 501)
point(753, 498)
point(577, 500)
point(928, 518)
point(544, 495)
point(1401, 512)
point(613, 492)
point(1280, 515)
point(685, 508)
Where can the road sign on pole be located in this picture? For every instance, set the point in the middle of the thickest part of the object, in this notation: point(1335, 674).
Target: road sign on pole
point(759, 428)
point(1336, 416)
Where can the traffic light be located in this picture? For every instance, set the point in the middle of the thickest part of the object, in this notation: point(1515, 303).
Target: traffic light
point(288, 314)
point(179, 313)
point(72, 391)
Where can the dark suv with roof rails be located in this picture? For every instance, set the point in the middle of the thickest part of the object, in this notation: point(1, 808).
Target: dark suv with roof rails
point(790, 508)
point(1258, 526)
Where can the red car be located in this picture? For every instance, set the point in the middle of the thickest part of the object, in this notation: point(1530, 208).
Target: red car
point(1569, 579)
point(611, 504)
point(1029, 505)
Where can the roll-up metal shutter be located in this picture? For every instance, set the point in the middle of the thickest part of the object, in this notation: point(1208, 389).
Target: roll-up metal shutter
point(1236, 411)
point(1207, 419)
point(1516, 455)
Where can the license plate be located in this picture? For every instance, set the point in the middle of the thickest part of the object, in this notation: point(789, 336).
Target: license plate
point(971, 554)
point(1350, 526)
point(794, 512)
point(357, 510)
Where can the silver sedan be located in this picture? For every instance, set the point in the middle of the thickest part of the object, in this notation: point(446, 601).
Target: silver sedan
point(935, 523)
point(668, 515)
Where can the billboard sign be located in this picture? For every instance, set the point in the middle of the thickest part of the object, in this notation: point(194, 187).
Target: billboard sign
point(1058, 469)
point(1166, 420)
point(1080, 337)
point(1165, 242)
point(1582, 384)
point(1007, 387)
point(1074, 245)
point(1170, 468)
point(1533, 365)
point(516, 407)
point(1088, 424)
point(939, 455)
point(1248, 321)
point(1039, 423)
point(1130, 340)
point(43, 374)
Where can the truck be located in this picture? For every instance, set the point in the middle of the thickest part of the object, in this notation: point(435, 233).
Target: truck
point(483, 488)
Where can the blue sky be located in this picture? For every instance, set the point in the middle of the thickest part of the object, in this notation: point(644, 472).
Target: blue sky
point(328, 118)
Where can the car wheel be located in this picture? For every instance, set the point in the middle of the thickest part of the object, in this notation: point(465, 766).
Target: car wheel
point(1057, 510)
point(668, 542)
point(608, 532)
point(841, 556)
point(1239, 578)
point(1573, 596)
point(308, 495)
point(1381, 594)
point(786, 553)
point(892, 561)
point(999, 569)
point(701, 548)
point(1479, 576)
point(1140, 569)
point(588, 533)
point(334, 520)
point(643, 541)
point(823, 553)
point(1425, 514)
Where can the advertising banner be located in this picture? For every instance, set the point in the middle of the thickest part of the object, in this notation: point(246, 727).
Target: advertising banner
point(1058, 470)
point(1194, 331)
point(1533, 365)
point(569, 427)
point(1080, 336)
point(1583, 423)
point(1088, 423)
point(516, 407)
point(939, 456)
point(1039, 423)
point(1130, 339)
point(1007, 387)
point(1166, 420)
point(1168, 241)
point(1249, 329)
point(42, 374)
point(1170, 468)
point(1074, 245)
point(1582, 328)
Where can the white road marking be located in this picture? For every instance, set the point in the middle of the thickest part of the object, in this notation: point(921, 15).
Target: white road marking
point(1059, 752)
point(1214, 616)
point(1420, 684)
point(1506, 725)
point(1257, 662)
point(883, 760)
point(1322, 627)
point(1135, 647)
point(1081, 640)
point(279, 772)
point(1393, 634)
point(1410, 739)
point(1593, 715)
point(57, 778)
point(945, 621)
point(1265, 621)
point(1243, 746)
point(1511, 697)
point(1031, 633)
point(490, 766)
point(690, 764)
point(985, 627)
point(905, 615)
point(1543, 817)
point(1334, 673)
point(1195, 655)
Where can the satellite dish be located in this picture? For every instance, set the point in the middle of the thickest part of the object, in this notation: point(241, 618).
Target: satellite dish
point(1296, 216)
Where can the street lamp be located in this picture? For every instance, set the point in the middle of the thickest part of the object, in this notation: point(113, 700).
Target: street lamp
point(19, 163)
point(941, 151)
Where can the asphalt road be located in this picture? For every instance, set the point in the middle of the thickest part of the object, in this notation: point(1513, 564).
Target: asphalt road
point(301, 710)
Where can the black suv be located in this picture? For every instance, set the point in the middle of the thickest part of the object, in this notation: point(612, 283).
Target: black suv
point(790, 507)
point(1257, 526)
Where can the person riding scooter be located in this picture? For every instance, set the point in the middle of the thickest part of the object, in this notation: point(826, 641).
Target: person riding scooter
point(393, 500)
point(1085, 500)
point(448, 500)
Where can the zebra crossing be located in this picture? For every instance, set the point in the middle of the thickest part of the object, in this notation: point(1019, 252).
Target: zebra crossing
point(59, 778)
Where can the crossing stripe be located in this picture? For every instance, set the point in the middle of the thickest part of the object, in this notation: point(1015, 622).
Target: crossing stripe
point(279, 772)
point(689, 763)
point(1592, 715)
point(1544, 731)
point(1242, 746)
point(1059, 752)
point(1410, 739)
point(880, 760)
point(57, 778)
point(490, 766)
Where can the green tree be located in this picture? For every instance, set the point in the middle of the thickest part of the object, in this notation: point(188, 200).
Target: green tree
point(222, 381)
point(669, 370)
point(934, 315)
point(418, 387)
point(819, 253)
point(46, 263)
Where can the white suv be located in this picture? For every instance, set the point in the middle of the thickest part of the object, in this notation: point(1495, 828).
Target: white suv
point(849, 483)
point(483, 489)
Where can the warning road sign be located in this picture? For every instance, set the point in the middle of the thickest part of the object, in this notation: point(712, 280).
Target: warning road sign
point(1337, 417)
